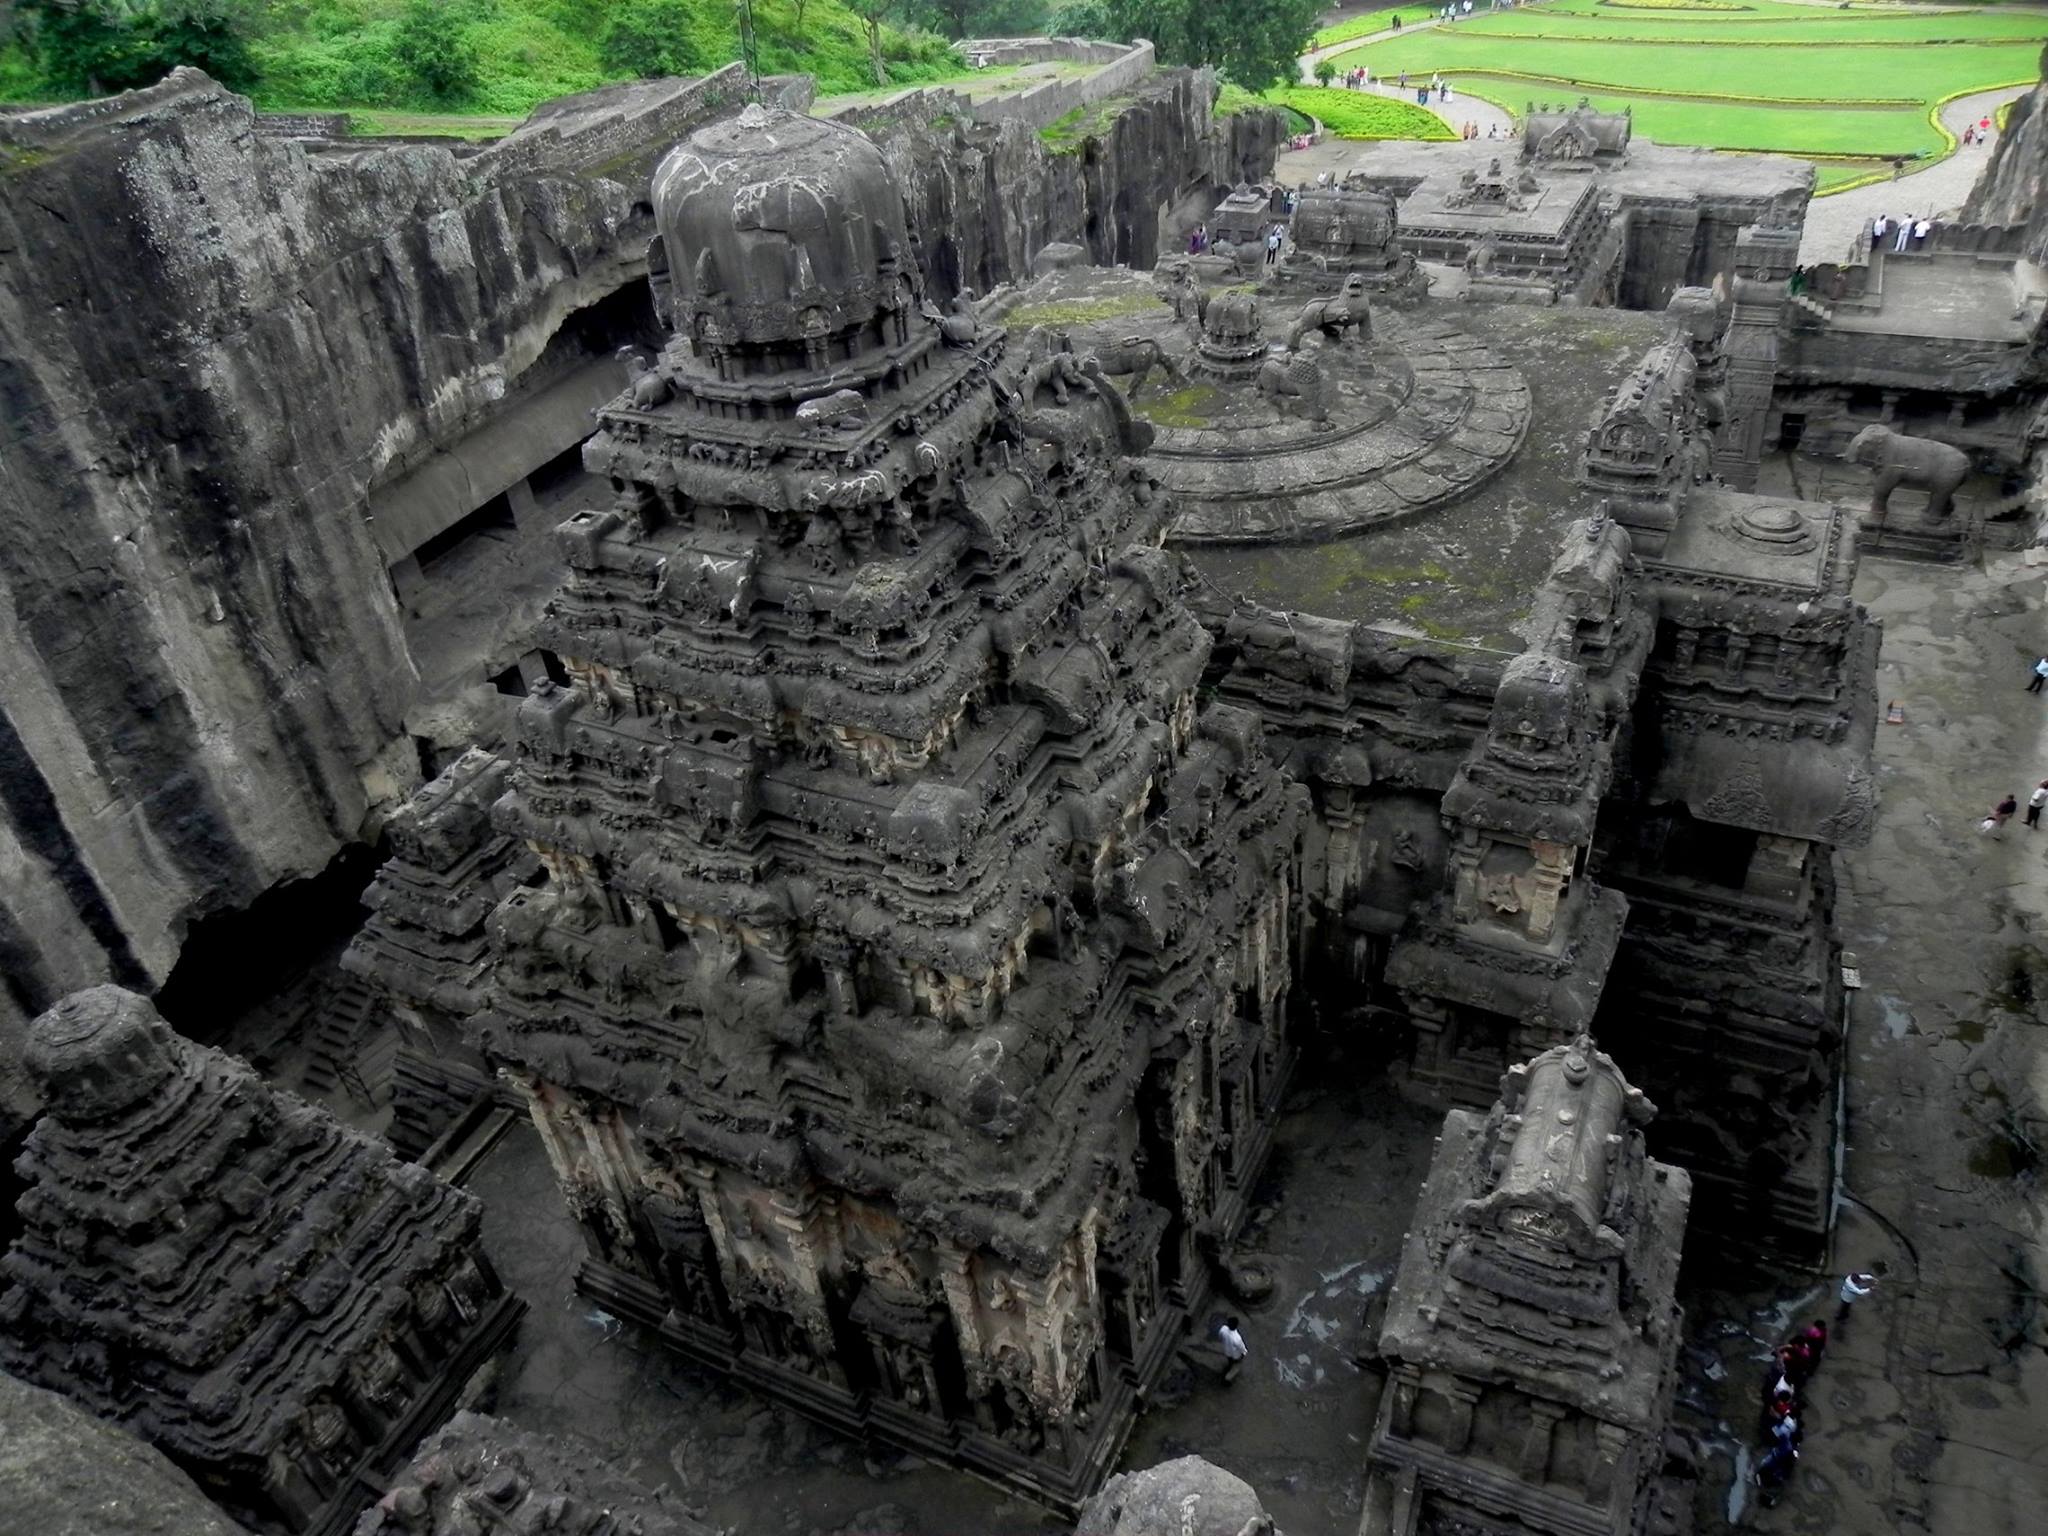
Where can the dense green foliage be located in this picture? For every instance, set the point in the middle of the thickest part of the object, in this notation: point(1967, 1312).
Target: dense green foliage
point(481, 56)
point(1357, 115)
point(1253, 42)
point(84, 46)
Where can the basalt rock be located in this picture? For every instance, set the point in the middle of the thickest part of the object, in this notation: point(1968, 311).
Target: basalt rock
point(211, 344)
point(269, 1298)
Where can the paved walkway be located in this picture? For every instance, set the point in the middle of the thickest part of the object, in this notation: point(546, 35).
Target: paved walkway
point(1457, 112)
point(1935, 191)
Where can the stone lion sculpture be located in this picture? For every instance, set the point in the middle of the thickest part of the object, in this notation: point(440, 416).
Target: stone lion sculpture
point(1293, 381)
point(1348, 312)
point(1919, 462)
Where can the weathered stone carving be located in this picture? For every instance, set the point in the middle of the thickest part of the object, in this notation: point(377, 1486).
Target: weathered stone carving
point(269, 1298)
point(1347, 317)
point(1532, 1333)
point(897, 901)
point(1293, 381)
point(1920, 463)
point(481, 1474)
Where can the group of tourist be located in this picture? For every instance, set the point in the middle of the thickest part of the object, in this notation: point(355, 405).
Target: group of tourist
point(1907, 234)
point(1792, 1366)
point(1977, 133)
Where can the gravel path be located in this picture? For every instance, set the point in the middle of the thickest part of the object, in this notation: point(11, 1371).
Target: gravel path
point(1937, 190)
point(1457, 112)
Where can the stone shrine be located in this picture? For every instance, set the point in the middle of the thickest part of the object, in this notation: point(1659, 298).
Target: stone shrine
point(425, 949)
point(905, 1008)
point(269, 1298)
point(1532, 1335)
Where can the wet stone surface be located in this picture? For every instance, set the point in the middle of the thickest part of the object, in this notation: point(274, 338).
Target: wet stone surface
point(1328, 1226)
point(1467, 572)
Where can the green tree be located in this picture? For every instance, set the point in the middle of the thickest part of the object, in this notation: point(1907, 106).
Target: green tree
point(1326, 71)
point(91, 46)
point(433, 45)
point(649, 38)
point(982, 18)
point(212, 35)
point(1254, 42)
point(873, 15)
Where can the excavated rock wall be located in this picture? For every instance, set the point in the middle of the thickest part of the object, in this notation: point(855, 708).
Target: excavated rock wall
point(2013, 188)
point(211, 344)
point(984, 199)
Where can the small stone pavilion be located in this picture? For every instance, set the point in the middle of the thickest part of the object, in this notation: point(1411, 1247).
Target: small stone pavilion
point(272, 1300)
point(1531, 1334)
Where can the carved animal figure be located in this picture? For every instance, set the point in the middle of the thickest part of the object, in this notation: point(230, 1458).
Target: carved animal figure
point(1293, 381)
point(1134, 358)
point(1342, 313)
point(647, 387)
point(1920, 462)
point(843, 408)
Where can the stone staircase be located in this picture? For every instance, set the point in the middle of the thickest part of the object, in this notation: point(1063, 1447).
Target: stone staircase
point(344, 1041)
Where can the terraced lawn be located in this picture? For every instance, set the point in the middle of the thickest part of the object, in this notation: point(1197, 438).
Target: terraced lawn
point(1757, 75)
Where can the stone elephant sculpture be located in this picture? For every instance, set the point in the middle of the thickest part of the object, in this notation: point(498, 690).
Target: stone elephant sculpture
point(1920, 462)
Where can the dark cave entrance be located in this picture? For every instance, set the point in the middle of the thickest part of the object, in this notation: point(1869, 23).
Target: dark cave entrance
point(237, 969)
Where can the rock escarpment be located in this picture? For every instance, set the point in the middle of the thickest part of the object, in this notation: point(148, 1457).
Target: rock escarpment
point(213, 345)
point(210, 344)
point(2013, 188)
point(984, 199)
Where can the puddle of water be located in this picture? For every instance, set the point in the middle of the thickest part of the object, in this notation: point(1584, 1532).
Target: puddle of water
point(1738, 1487)
point(1896, 1017)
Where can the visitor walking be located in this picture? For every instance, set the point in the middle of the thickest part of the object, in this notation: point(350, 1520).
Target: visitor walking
point(1397, 27)
point(1856, 1285)
point(1231, 1342)
point(1274, 237)
point(1969, 135)
point(1774, 1471)
point(2040, 675)
point(2001, 813)
point(2035, 801)
point(1198, 240)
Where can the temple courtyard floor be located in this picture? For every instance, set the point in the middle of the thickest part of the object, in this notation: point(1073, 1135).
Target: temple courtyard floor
point(1928, 1412)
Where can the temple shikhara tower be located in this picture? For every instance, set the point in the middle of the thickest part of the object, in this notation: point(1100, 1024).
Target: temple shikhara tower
point(905, 1007)
point(1531, 1337)
point(274, 1301)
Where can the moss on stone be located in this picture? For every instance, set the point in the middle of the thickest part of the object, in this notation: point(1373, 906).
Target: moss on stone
point(1083, 311)
point(1192, 405)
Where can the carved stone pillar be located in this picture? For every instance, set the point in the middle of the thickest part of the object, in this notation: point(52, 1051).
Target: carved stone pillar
point(1533, 1463)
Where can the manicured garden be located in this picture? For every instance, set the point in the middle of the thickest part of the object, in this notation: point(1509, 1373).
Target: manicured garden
point(1355, 115)
point(1732, 74)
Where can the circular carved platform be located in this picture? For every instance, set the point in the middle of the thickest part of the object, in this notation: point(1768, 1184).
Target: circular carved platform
point(1417, 417)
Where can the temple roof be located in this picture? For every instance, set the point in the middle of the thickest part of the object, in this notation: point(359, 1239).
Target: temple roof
point(202, 1257)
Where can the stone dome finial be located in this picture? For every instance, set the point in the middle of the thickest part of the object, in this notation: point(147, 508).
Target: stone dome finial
point(97, 1052)
point(779, 233)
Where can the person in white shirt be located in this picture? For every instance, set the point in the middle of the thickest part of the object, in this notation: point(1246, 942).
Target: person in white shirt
point(1878, 226)
point(2035, 801)
point(2040, 675)
point(1856, 1285)
point(1231, 1342)
point(1920, 229)
point(1905, 234)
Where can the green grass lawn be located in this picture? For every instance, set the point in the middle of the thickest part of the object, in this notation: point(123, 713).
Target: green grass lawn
point(1356, 115)
point(1759, 75)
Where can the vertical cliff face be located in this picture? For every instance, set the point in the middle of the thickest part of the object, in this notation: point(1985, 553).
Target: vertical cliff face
point(984, 199)
point(213, 343)
point(210, 343)
point(2014, 187)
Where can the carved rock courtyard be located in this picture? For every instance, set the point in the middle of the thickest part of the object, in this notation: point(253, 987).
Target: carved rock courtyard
point(923, 793)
